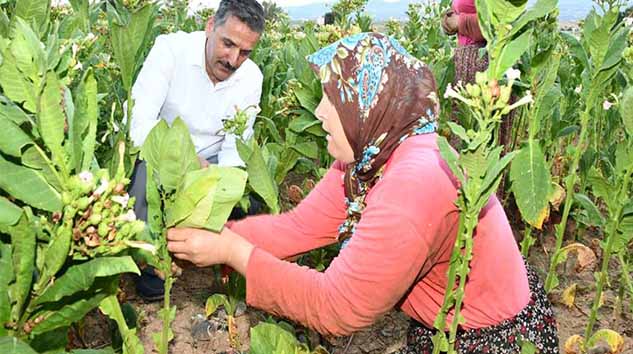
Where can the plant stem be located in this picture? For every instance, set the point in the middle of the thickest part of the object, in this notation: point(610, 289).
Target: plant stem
point(528, 241)
point(570, 182)
point(164, 345)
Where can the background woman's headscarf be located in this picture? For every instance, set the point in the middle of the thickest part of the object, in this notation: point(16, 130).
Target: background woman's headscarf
point(382, 95)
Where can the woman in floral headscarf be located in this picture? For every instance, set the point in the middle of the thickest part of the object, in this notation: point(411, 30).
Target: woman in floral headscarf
point(389, 199)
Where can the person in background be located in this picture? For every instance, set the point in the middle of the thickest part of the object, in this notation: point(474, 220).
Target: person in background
point(201, 77)
point(390, 199)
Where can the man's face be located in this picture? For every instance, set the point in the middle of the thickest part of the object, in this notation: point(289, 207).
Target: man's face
point(228, 46)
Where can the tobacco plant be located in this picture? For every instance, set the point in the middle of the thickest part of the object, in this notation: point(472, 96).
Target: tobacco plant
point(600, 51)
point(66, 222)
point(479, 166)
point(182, 194)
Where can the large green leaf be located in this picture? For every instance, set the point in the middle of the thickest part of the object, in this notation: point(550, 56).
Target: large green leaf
point(35, 12)
point(214, 209)
point(540, 9)
point(82, 277)
point(85, 117)
point(531, 183)
point(511, 53)
point(28, 52)
point(12, 138)
point(131, 343)
point(32, 158)
point(197, 185)
point(23, 243)
point(28, 186)
point(617, 43)
point(626, 111)
point(171, 153)
point(307, 99)
point(51, 118)
point(259, 177)
point(9, 212)
point(70, 313)
point(12, 345)
point(6, 277)
point(576, 49)
point(597, 35)
point(8, 110)
point(16, 87)
point(594, 216)
point(127, 42)
point(269, 338)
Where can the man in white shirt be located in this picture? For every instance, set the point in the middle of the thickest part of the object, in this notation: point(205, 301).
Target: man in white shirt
point(201, 77)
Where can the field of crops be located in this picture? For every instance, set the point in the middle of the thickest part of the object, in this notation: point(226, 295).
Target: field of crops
point(70, 243)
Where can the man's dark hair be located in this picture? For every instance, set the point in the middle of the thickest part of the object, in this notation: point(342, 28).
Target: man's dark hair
point(249, 12)
point(329, 18)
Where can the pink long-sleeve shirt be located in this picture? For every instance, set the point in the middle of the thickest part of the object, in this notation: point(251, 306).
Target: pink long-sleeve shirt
point(398, 255)
point(468, 31)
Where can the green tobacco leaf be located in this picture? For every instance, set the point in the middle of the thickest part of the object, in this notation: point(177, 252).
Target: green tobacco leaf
point(23, 243)
point(617, 43)
point(82, 277)
point(197, 185)
point(131, 343)
point(494, 173)
point(308, 149)
point(9, 212)
point(32, 158)
point(511, 53)
point(6, 277)
point(34, 12)
point(51, 118)
point(594, 216)
point(626, 111)
point(85, 118)
point(531, 183)
point(450, 157)
point(213, 302)
point(576, 48)
point(28, 186)
point(171, 153)
point(10, 111)
point(154, 211)
point(212, 211)
point(29, 54)
point(16, 87)
point(540, 9)
point(598, 40)
point(227, 194)
point(12, 138)
point(259, 177)
point(57, 252)
point(127, 42)
point(12, 345)
point(307, 99)
point(68, 314)
point(303, 122)
point(269, 338)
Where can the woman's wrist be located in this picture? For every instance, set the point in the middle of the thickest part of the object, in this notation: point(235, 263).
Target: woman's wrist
point(238, 250)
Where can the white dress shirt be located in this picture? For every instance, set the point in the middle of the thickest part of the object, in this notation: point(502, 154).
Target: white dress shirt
point(174, 83)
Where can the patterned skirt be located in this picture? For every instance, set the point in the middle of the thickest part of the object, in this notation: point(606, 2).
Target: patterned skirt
point(535, 324)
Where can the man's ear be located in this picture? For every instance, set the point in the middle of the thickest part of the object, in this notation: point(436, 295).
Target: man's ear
point(210, 25)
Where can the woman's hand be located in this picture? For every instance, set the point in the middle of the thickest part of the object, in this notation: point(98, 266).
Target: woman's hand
point(205, 248)
point(450, 22)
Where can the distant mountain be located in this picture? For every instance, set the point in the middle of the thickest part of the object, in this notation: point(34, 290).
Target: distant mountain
point(381, 10)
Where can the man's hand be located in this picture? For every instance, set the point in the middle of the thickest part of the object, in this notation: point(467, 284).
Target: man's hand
point(450, 22)
point(205, 248)
point(203, 162)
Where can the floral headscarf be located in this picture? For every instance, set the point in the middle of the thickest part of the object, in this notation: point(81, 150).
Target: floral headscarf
point(383, 95)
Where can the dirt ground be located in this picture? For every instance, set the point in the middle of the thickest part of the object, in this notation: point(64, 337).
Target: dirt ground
point(386, 336)
point(195, 285)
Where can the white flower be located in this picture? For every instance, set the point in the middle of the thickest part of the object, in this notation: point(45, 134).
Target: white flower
point(121, 199)
point(527, 99)
point(78, 66)
point(75, 49)
point(129, 216)
point(90, 36)
point(300, 35)
point(513, 74)
point(102, 187)
point(628, 21)
point(141, 245)
point(606, 105)
point(578, 89)
point(86, 177)
point(451, 93)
